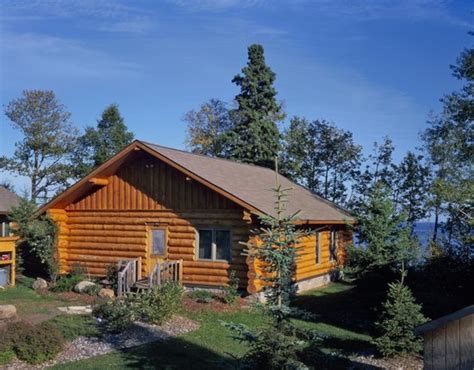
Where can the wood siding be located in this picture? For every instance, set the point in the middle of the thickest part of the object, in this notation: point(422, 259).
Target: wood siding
point(450, 346)
point(110, 223)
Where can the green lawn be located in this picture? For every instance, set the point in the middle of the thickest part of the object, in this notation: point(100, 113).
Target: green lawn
point(340, 317)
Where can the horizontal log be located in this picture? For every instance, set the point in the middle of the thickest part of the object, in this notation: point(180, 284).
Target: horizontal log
point(116, 233)
point(181, 243)
point(106, 246)
point(183, 236)
point(184, 257)
point(206, 278)
point(107, 239)
point(180, 250)
point(107, 227)
point(207, 264)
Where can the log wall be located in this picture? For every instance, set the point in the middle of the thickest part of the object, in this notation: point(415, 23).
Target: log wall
point(110, 223)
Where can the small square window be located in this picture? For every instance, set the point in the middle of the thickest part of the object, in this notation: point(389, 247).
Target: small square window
point(214, 244)
point(158, 242)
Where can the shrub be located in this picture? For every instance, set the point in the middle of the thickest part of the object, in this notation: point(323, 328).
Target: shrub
point(73, 326)
point(66, 283)
point(112, 275)
point(117, 314)
point(231, 292)
point(6, 356)
point(158, 304)
point(33, 344)
point(400, 318)
point(202, 296)
point(92, 290)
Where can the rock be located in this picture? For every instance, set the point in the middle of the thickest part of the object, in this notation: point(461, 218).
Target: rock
point(106, 293)
point(7, 311)
point(82, 285)
point(40, 284)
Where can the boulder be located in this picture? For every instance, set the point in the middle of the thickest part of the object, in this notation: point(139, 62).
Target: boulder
point(82, 285)
point(106, 293)
point(7, 311)
point(40, 284)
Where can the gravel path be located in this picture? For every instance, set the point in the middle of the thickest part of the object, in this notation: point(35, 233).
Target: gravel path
point(141, 333)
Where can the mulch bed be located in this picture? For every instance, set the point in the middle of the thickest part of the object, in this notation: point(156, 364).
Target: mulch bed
point(141, 333)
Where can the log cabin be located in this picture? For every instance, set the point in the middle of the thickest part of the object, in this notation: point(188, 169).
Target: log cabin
point(161, 204)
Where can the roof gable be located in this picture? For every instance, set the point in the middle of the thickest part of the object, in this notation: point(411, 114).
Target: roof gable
point(8, 199)
point(247, 185)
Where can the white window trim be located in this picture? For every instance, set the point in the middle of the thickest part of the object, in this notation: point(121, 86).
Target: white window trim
point(213, 244)
point(333, 242)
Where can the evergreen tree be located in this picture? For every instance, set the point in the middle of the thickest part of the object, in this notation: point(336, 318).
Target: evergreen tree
point(401, 315)
point(255, 137)
point(206, 127)
point(384, 237)
point(101, 143)
point(47, 143)
point(280, 345)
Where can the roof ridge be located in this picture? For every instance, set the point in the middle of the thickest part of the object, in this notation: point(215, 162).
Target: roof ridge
point(319, 197)
point(207, 156)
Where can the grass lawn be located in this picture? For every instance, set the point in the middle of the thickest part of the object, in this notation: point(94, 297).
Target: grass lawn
point(340, 317)
point(34, 307)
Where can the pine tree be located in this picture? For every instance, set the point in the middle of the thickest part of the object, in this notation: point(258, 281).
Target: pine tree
point(401, 315)
point(255, 137)
point(99, 144)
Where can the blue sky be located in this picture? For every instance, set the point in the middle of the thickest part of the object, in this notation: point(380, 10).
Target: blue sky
point(374, 67)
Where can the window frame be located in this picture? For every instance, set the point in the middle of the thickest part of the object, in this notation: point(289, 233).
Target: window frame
point(150, 241)
point(213, 243)
point(333, 245)
point(318, 248)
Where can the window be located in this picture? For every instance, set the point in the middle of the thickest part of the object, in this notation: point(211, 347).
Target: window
point(333, 246)
point(318, 248)
point(4, 229)
point(158, 242)
point(214, 244)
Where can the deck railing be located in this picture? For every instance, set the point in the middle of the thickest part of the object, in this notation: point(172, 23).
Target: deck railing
point(164, 272)
point(130, 272)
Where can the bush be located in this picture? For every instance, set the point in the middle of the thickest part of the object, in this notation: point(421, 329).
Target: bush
point(117, 314)
point(231, 292)
point(73, 326)
point(158, 304)
point(92, 290)
point(202, 296)
point(400, 318)
point(6, 356)
point(112, 275)
point(32, 344)
point(66, 283)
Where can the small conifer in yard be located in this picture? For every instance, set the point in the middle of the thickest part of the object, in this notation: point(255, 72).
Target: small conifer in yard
point(400, 318)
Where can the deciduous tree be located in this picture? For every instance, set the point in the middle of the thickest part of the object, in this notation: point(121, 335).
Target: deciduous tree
point(48, 139)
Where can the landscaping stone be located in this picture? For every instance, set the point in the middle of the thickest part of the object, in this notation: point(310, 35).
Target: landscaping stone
point(82, 285)
point(40, 284)
point(7, 312)
point(76, 310)
point(106, 293)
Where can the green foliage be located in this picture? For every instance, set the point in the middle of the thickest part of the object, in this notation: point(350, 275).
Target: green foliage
point(322, 157)
point(66, 283)
point(231, 292)
point(254, 138)
point(383, 234)
point(206, 126)
point(112, 275)
point(202, 296)
point(32, 344)
point(400, 318)
point(118, 314)
point(92, 290)
point(73, 326)
point(48, 138)
point(6, 356)
point(37, 236)
point(157, 305)
point(99, 144)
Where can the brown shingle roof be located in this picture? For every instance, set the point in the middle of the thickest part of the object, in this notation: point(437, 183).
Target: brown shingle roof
point(8, 200)
point(253, 185)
